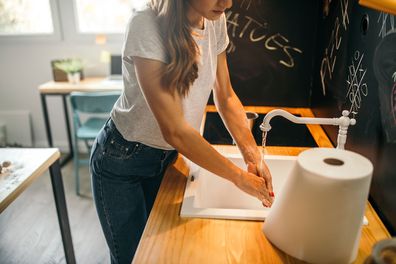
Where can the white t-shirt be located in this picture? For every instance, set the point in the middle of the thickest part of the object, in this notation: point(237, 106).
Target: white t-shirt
point(131, 113)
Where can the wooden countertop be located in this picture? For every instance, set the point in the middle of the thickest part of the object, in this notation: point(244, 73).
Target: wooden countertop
point(90, 84)
point(168, 238)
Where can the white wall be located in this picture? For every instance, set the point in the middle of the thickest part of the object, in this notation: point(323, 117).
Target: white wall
point(24, 65)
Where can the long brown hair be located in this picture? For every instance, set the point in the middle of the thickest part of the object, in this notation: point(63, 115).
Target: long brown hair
point(181, 48)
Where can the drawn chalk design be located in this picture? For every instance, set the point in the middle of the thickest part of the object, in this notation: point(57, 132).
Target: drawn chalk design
point(357, 88)
point(387, 23)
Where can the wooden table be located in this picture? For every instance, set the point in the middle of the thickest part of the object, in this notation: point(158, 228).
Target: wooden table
point(63, 89)
point(168, 238)
point(26, 166)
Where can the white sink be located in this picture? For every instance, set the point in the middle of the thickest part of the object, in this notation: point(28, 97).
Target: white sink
point(210, 196)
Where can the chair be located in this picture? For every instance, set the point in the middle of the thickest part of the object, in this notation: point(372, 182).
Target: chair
point(90, 112)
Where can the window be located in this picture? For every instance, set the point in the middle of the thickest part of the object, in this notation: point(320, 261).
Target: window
point(104, 16)
point(25, 17)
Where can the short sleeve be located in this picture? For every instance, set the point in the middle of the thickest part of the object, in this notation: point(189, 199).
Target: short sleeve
point(143, 37)
point(221, 33)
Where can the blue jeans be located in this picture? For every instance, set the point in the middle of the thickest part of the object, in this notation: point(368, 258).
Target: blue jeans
point(125, 180)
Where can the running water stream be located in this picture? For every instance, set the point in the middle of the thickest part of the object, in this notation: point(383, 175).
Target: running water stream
point(263, 144)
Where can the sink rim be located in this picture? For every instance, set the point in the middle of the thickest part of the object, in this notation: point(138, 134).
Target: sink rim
point(189, 211)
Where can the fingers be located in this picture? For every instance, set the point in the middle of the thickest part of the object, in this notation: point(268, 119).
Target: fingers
point(266, 203)
point(268, 181)
point(255, 186)
point(266, 198)
point(266, 174)
point(264, 195)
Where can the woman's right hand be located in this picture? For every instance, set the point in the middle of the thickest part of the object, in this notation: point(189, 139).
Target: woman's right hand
point(255, 186)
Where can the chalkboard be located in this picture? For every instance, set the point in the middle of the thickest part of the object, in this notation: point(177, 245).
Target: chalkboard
point(271, 51)
point(355, 62)
point(385, 71)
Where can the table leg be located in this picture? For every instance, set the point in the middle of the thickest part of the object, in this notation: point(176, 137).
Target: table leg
point(46, 119)
point(69, 156)
point(60, 202)
point(68, 130)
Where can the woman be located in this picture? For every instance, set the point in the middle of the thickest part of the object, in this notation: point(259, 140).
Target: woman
point(173, 56)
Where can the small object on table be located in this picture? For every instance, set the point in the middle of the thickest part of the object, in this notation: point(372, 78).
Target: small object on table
point(6, 163)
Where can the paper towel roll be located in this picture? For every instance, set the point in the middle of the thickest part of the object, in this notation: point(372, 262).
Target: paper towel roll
point(317, 215)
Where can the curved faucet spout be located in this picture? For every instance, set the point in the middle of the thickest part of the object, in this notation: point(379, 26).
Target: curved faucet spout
point(343, 122)
point(265, 126)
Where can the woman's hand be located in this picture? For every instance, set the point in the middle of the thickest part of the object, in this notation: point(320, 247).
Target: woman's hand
point(256, 165)
point(260, 168)
point(255, 186)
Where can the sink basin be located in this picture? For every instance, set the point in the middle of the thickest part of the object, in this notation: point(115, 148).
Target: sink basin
point(210, 196)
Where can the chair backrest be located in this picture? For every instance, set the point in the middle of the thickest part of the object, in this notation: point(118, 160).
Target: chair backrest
point(93, 102)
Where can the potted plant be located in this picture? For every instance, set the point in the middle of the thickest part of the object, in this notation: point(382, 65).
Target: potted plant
point(72, 67)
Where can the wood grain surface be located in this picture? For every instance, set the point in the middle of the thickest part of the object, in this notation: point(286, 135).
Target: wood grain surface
point(26, 166)
point(168, 238)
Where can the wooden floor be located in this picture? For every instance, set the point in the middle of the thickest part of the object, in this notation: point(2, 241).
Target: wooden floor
point(29, 229)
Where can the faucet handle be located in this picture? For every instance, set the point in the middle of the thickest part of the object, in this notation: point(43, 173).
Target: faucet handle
point(345, 113)
point(345, 121)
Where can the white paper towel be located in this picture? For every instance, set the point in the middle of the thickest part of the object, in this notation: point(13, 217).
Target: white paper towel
point(317, 216)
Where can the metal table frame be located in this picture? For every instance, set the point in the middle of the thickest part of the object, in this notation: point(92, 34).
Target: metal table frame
point(61, 209)
point(42, 160)
point(43, 96)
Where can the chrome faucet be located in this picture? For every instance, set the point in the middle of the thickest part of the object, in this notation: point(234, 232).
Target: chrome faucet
point(343, 122)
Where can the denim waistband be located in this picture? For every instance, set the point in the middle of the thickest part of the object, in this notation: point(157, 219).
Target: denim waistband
point(112, 126)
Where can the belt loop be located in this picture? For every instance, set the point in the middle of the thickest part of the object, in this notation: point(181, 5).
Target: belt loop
point(111, 124)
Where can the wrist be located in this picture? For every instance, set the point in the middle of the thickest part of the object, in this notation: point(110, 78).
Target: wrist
point(238, 177)
point(251, 155)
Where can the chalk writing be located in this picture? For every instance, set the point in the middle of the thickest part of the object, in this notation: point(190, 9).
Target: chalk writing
point(344, 13)
point(274, 42)
point(326, 7)
point(246, 3)
point(356, 85)
point(231, 47)
point(256, 31)
point(330, 54)
point(252, 24)
point(386, 28)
